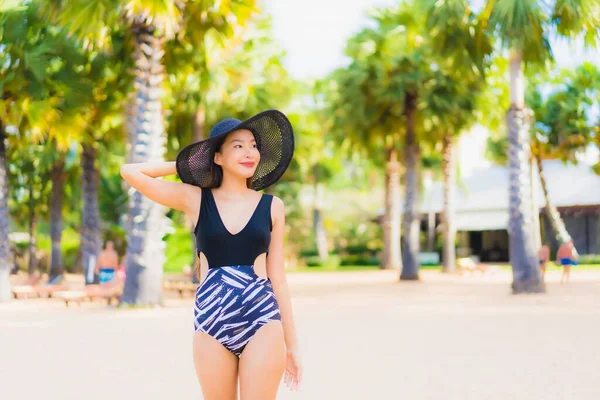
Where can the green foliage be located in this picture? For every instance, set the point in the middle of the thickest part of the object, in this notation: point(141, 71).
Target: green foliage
point(179, 251)
point(57, 92)
point(69, 248)
point(358, 238)
point(208, 82)
point(32, 181)
point(311, 252)
point(497, 149)
point(331, 261)
point(563, 118)
point(359, 260)
point(590, 259)
point(117, 235)
point(112, 198)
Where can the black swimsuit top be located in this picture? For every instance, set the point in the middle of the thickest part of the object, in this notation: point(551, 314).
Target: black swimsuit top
point(222, 248)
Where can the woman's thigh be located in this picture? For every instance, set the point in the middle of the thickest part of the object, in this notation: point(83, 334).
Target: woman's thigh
point(216, 368)
point(262, 363)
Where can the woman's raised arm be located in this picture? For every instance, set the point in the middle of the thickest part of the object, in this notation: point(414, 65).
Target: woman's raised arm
point(179, 196)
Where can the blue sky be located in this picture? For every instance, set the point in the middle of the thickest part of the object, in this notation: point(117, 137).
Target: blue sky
point(314, 33)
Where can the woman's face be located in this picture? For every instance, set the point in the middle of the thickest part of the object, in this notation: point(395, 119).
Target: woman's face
point(239, 154)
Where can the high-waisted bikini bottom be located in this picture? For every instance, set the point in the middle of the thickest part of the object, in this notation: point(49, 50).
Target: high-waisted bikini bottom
point(232, 303)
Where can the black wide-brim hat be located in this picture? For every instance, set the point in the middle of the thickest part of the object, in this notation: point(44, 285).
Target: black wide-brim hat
point(274, 138)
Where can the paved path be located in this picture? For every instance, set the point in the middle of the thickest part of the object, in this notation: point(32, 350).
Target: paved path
point(364, 336)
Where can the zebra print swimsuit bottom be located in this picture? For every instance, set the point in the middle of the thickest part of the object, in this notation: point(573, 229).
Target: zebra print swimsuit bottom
point(232, 303)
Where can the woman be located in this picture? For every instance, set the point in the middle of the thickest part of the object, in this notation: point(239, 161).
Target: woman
point(244, 327)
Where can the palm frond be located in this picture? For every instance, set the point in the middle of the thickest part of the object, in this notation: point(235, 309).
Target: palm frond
point(575, 18)
point(7, 6)
point(42, 115)
point(522, 25)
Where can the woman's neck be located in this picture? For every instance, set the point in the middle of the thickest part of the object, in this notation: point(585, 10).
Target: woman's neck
point(233, 186)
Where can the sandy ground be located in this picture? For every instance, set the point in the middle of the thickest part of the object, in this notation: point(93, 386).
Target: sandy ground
point(364, 335)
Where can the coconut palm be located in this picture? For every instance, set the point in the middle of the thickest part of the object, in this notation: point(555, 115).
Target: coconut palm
point(524, 27)
point(452, 106)
point(150, 24)
point(563, 128)
point(399, 86)
point(29, 98)
point(361, 124)
point(102, 108)
point(453, 101)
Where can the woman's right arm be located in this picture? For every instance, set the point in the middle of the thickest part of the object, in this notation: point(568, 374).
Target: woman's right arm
point(179, 196)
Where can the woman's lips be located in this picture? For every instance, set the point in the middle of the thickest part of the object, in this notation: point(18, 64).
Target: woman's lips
point(248, 164)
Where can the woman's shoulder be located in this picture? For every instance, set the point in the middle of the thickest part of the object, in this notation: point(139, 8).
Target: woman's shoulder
point(277, 205)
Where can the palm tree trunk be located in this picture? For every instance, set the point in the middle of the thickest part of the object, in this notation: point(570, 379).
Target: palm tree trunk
point(318, 226)
point(535, 211)
point(410, 239)
point(200, 123)
point(91, 242)
point(5, 256)
point(526, 275)
point(558, 226)
point(431, 231)
point(449, 230)
point(320, 234)
point(56, 220)
point(32, 246)
point(392, 255)
point(147, 223)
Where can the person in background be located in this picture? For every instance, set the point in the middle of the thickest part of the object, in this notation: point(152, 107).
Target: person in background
point(566, 256)
point(543, 258)
point(121, 271)
point(107, 264)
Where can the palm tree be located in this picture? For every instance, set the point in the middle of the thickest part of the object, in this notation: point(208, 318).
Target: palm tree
point(452, 105)
point(403, 81)
point(150, 24)
point(384, 95)
point(367, 125)
point(454, 99)
point(563, 128)
point(412, 75)
point(524, 27)
point(103, 109)
point(28, 105)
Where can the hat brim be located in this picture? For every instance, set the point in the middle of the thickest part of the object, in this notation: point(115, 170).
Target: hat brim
point(275, 141)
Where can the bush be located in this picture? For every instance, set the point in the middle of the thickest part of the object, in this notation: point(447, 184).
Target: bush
point(359, 238)
point(21, 246)
point(359, 260)
point(590, 259)
point(317, 262)
point(72, 259)
point(357, 249)
point(308, 252)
